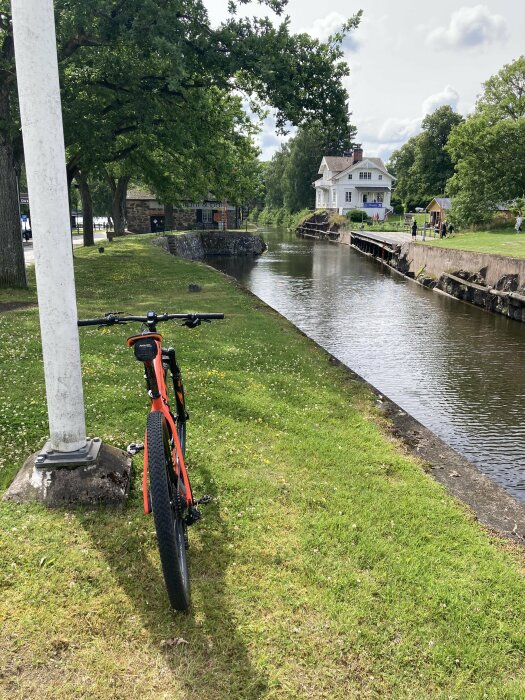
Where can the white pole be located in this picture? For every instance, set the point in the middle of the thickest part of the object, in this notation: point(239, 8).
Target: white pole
point(42, 130)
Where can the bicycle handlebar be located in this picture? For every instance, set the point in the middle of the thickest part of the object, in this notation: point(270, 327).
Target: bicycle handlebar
point(151, 319)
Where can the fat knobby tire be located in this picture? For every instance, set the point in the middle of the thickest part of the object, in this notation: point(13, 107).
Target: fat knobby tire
point(169, 524)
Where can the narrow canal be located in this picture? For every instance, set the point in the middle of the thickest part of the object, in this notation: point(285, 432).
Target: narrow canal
point(457, 369)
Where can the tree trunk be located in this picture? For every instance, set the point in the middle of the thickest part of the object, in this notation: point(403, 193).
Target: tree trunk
point(87, 207)
point(12, 263)
point(168, 217)
point(120, 190)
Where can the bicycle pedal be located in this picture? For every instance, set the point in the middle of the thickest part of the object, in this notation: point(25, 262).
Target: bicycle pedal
point(204, 500)
point(194, 515)
point(134, 447)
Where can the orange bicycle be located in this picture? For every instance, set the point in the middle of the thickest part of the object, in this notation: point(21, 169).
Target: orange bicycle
point(166, 487)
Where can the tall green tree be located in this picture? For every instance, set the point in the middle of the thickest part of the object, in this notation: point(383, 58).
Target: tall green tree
point(12, 264)
point(127, 67)
point(488, 149)
point(423, 166)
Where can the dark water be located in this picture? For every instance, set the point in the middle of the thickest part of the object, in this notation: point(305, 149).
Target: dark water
point(459, 370)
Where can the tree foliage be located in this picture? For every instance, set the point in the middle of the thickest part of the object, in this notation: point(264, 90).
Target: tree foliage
point(422, 166)
point(488, 149)
point(135, 74)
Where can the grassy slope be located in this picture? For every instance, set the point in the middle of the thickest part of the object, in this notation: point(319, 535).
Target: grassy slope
point(329, 566)
point(500, 241)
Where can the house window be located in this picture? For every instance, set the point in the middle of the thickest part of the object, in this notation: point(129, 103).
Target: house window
point(380, 177)
point(365, 198)
point(207, 216)
point(380, 197)
point(365, 176)
point(333, 196)
point(348, 196)
point(349, 177)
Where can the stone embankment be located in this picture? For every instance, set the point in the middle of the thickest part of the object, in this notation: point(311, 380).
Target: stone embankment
point(319, 225)
point(197, 245)
point(494, 282)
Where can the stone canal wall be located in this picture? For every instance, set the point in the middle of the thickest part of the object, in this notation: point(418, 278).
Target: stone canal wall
point(199, 244)
point(436, 261)
point(493, 282)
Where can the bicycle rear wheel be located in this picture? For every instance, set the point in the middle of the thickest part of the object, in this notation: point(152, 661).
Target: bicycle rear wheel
point(168, 512)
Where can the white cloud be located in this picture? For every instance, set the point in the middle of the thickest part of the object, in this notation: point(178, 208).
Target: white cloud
point(326, 26)
point(394, 130)
point(448, 96)
point(469, 27)
point(382, 140)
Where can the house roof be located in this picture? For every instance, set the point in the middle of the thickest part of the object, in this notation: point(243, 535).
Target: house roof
point(341, 164)
point(443, 202)
point(142, 195)
point(337, 163)
point(375, 162)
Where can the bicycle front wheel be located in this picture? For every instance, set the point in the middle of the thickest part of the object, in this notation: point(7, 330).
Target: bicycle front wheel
point(168, 512)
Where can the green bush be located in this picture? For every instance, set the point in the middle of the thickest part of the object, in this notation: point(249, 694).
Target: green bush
point(357, 215)
point(254, 215)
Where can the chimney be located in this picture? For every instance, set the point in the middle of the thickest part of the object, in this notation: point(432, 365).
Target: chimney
point(357, 154)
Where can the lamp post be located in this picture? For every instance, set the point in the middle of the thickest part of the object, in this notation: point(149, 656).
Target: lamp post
point(42, 131)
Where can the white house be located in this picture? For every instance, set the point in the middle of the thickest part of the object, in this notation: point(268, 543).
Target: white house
point(353, 182)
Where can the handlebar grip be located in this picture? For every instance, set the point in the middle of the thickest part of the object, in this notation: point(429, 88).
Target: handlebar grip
point(92, 322)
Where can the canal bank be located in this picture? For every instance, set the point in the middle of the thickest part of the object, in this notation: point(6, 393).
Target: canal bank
point(492, 505)
point(457, 369)
point(493, 282)
point(328, 565)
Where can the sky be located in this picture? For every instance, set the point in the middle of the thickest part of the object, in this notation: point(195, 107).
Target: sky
point(406, 59)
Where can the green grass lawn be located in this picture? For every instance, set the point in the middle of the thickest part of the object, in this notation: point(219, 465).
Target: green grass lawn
point(330, 565)
point(504, 241)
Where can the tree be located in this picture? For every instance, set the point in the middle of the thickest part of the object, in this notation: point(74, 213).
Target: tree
point(402, 166)
point(127, 68)
point(274, 178)
point(12, 265)
point(488, 149)
point(433, 164)
point(422, 166)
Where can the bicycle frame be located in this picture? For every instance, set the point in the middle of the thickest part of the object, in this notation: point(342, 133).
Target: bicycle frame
point(155, 377)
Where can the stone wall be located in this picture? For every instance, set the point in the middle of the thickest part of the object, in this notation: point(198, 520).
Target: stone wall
point(494, 282)
point(140, 211)
point(198, 244)
point(436, 261)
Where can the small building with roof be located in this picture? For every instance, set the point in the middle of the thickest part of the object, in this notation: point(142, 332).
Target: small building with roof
point(354, 182)
point(145, 214)
point(439, 209)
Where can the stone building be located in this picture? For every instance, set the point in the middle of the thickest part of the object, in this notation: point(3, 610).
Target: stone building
point(146, 215)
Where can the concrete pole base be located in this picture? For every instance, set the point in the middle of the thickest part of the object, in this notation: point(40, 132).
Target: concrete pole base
point(106, 481)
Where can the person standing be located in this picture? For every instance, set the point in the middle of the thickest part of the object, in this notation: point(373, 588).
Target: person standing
point(519, 221)
point(443, 229)
point(414, 230)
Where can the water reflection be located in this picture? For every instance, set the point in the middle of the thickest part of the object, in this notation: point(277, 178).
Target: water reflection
point(459, 370)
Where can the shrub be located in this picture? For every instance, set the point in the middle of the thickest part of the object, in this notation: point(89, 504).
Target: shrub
point(357, 215)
